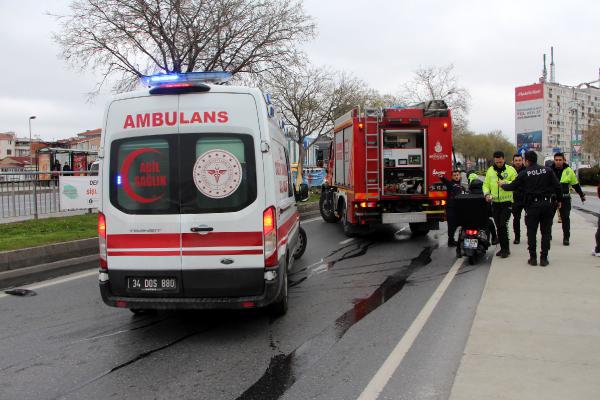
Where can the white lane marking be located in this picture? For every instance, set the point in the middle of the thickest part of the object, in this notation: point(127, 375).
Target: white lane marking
point(387, 369)
point(57, 281)
point(306, 221)
point(346, 241)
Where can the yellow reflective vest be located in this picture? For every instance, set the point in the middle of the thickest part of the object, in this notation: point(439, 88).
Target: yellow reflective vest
point(490, 184)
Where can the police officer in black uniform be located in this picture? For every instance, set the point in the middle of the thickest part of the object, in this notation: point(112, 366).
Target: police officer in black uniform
point(542, 192)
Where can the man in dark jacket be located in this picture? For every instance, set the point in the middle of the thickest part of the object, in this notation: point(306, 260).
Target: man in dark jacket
point(567, 178)
point(518, 200)
point(454, 188)
point(596, 252)
point(476, 187)
point(541, 190)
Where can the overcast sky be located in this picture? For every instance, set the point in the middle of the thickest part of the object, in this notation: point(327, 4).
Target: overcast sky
point(494, 46)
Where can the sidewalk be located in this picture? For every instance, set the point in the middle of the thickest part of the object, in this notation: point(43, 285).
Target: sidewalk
point(536, 333)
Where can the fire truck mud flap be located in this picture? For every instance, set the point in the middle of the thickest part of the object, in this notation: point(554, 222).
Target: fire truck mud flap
point(403, 218)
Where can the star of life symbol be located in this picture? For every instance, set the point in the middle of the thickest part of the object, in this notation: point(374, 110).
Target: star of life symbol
point(217, 173)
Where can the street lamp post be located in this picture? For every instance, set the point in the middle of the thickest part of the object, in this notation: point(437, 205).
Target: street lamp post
point(34, 179)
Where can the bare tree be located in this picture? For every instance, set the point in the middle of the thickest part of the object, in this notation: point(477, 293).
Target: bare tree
point(591, 138)
point(125, 39)
point(311, 98)
point(438, 83)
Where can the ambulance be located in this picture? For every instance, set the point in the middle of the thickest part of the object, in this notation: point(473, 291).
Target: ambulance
point(198, 208)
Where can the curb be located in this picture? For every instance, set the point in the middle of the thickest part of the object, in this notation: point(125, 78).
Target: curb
point(17, 259)
point(19, 267)
point(39, 272)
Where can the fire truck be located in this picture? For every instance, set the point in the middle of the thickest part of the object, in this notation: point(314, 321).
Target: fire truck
point(385, 167)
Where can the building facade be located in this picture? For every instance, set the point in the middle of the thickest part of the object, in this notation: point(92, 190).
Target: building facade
point(7, 144)
point(551, 118)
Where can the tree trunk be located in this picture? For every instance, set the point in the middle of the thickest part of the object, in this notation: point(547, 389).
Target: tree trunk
point(300, 161)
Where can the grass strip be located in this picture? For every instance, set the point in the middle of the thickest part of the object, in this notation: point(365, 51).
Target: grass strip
point(31, 233)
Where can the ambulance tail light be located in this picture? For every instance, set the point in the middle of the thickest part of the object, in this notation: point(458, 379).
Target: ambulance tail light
point(102, 240)
point(270, 237)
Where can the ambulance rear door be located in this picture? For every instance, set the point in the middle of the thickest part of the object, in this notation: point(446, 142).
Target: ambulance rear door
point(222, 195)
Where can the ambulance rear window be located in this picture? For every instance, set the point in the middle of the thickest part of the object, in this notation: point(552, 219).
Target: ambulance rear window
point(143, 175)
point(218, 173)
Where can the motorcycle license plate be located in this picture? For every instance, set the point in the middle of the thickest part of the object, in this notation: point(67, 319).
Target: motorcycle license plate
point(470, 243)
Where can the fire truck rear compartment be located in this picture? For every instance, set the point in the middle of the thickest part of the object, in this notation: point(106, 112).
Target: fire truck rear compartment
point(403, 162)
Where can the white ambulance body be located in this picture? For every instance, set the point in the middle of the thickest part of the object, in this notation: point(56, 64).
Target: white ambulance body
point(198, 207)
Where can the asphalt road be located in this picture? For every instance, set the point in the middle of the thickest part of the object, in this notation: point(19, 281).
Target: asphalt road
point(351, 302)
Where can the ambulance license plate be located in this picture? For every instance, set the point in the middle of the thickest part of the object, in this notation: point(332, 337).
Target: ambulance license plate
point(153, 284)
point(470, 243)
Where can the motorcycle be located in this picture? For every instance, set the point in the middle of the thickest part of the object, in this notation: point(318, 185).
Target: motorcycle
point(473, 215)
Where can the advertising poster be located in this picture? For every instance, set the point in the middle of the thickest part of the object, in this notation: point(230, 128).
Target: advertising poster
point(78, 192)
point(79, 163)
point(529, 104)
point(44, 166)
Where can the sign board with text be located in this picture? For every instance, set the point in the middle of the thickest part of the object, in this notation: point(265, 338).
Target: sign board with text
point(79, 192)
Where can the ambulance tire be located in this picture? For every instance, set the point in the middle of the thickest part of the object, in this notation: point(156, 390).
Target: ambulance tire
point(327, 210)
point(142, 311)
point(419, 228)
point(301, 243)
point(280, 306)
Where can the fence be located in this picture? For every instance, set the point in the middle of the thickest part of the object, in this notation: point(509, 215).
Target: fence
point(30, 194)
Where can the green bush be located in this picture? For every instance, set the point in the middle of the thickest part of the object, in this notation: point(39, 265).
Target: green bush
point(589, 176)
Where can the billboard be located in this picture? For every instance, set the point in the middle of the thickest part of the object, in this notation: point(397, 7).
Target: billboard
point(78, 192)
point(529, 116)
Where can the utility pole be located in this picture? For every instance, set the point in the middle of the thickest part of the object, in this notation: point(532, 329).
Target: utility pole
point(34, 174)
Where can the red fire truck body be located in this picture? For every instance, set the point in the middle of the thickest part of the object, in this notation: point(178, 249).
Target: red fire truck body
point(385, 167)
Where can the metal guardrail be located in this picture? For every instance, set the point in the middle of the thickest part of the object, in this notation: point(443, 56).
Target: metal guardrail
point(30, 194)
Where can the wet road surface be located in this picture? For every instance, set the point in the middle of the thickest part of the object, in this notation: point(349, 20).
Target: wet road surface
point(351, 301)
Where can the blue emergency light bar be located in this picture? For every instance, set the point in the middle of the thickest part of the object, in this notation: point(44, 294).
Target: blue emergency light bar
point(189, 78)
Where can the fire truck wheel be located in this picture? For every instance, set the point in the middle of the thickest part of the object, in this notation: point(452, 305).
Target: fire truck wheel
point(419, 229)
point(349, 229)
point(327, 209)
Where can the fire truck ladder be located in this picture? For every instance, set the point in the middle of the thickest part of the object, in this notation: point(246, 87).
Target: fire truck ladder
point(372, 156)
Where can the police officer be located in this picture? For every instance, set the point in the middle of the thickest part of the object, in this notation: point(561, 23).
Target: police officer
point(518, 200)
point(501, 199)
point(542, 191)
point(567, 178)
point(454, 188)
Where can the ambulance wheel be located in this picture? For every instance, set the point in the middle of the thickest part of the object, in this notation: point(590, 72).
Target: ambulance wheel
point(419, 228)
point(142, 311)
point(301, 244)
point(326, 208)
point(280, 306)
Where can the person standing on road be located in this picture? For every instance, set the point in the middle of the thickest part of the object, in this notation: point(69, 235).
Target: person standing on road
point(501, 200)
point(454, 188)
point(542, 191)
point(596, 252)
point(518, 200)
point(567, 178)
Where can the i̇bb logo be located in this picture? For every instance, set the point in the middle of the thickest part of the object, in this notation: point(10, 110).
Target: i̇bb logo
point(217, 174)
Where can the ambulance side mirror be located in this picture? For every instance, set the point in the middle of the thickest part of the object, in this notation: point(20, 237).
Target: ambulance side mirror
point(302, 193)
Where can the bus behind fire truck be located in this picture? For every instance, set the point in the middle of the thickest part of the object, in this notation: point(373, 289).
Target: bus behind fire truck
point(385, 167)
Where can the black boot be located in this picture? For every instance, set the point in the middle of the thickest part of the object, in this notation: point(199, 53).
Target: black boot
point(566, 241)
point(517, 240)
point(532, 260)
point(544, 260)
